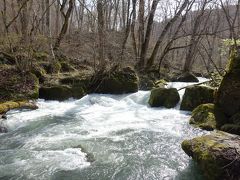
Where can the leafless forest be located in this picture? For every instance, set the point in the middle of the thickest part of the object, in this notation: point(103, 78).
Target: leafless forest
point(187, 35)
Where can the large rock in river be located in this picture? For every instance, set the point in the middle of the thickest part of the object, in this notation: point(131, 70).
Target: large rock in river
point(162, 97)
point(217, 154)
point(195, 96)
point(115, 81)
point(228, 95)
point(185, 77)
point(207, 117)
point(65, 88)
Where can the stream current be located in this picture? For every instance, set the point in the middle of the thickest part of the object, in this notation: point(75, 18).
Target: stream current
point(127, 139)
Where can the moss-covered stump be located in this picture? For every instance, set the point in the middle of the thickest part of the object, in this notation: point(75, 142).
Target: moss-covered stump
point(185, 77)
point(115, 81)
point(162, 97)
point(217, 154)
point(195, 96)
point(7, 106)
point(228, 95)
point(207, 117)
point(16, 86)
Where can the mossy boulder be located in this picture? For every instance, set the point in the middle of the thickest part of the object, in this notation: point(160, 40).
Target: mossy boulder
point(195, 96)
point(16, 86)
point(228, 94)
point(185, 77)
point(115, 81)
point(217, 154)
point(7, 106)
point(57, 92)
point(207, 117)
point(162, 97)
point(62, 88)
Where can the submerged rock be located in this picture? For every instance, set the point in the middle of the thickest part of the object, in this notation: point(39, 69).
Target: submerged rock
point(207, 117)
point(3, 129)
point(217, 154)
point(115, 81)
point(185, 77)
point(162, 97)
point(89, 156)
point(195, 96)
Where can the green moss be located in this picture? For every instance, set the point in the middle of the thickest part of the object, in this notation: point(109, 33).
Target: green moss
point(6, 106)
point(228, 93)
point(195, 96)
point(203, 117)
point(207, 117)
point(202, 150)
point(160, 83)
point(164, 97)
point(234, 62)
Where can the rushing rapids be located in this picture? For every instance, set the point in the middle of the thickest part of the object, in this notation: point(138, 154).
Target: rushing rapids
point(128, 139)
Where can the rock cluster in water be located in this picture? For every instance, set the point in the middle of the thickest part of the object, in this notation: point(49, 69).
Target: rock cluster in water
point(218, 154)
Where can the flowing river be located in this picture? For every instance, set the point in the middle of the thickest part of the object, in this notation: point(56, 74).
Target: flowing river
point(126, 138)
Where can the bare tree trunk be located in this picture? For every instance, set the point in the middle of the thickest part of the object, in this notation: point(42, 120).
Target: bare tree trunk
point(194, 39)
point(145, 45)
point(133, 28)
point(65, 23)
point(47, 5)
point(24, 20)
point(57, 7)
point(141, 28)
point(101, 34)
point(151, 60)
